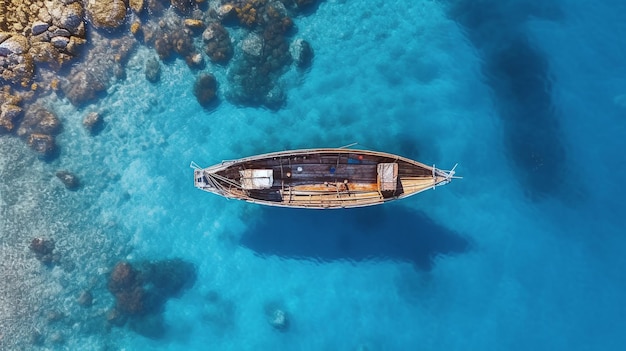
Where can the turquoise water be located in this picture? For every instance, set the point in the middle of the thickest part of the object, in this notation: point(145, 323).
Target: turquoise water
point(525, 252)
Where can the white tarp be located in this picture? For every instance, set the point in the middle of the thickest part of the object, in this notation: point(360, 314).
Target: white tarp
point(256, 178)
point(388, 176)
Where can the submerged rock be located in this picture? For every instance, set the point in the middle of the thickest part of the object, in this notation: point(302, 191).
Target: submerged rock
point(43, 249)
point(68, 179)
point(153, 70)
point(218, 45)
point(301, 52)
point(82, 87)
point(205, 88)
point(92, 122)
point(8, 116)
point(42, 143)
point(278, 319)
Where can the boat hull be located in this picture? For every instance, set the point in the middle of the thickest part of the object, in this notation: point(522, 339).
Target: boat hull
point(320, 178)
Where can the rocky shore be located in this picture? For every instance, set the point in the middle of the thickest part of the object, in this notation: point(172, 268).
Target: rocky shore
point(77, 48)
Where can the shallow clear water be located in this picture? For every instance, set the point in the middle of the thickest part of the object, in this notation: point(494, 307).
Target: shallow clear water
point(525, 252)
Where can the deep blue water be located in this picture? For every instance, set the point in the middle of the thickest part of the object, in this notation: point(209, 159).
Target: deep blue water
point(525, 252)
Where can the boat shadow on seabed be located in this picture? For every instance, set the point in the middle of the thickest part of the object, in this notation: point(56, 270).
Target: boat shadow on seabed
point(388, 232)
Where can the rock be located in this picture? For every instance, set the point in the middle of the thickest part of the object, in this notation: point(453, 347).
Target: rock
point(136, 5)
point(39, 120)
point(46, 52)
point(195, 60)
point(182, 43)
point(39, 27)
point(8, 115)
point(85, 299)
point(69, 179)
point(4, 36)
point(163, 48)
point(301, 52)
point(71, 17)
point(135, 27)
point(43, 249)
point(44, 15)
point(226, 11)
point(219, 48)
point(82, 87)
point(108, 14)
point(278, 319)
point(252, 45)
point(42, 143)
point(92, 122)
point(193, 23)
point(16, 44)
point(61, 32)
point(74, 44)
point(205, 89)
point(17, 68)
point(153, 70)
point(60, 42)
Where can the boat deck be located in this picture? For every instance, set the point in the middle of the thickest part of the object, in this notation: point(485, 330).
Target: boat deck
point(321, 180)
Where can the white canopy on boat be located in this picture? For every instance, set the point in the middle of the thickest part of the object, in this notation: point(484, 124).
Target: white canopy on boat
point(256, 178)
point(387, 176)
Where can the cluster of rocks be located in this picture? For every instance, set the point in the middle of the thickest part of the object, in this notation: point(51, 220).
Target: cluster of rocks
point(38, 32)
point(38, 38)
point(266, 52)
point(141, 292)
point(259, 59)
point(36, 125)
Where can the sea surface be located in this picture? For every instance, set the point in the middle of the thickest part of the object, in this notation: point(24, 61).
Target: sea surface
point(526, 252)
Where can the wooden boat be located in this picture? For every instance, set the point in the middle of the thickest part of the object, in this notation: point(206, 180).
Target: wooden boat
point(320, 178)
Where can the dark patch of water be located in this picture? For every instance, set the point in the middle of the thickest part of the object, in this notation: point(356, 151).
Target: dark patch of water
point(387, 232)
